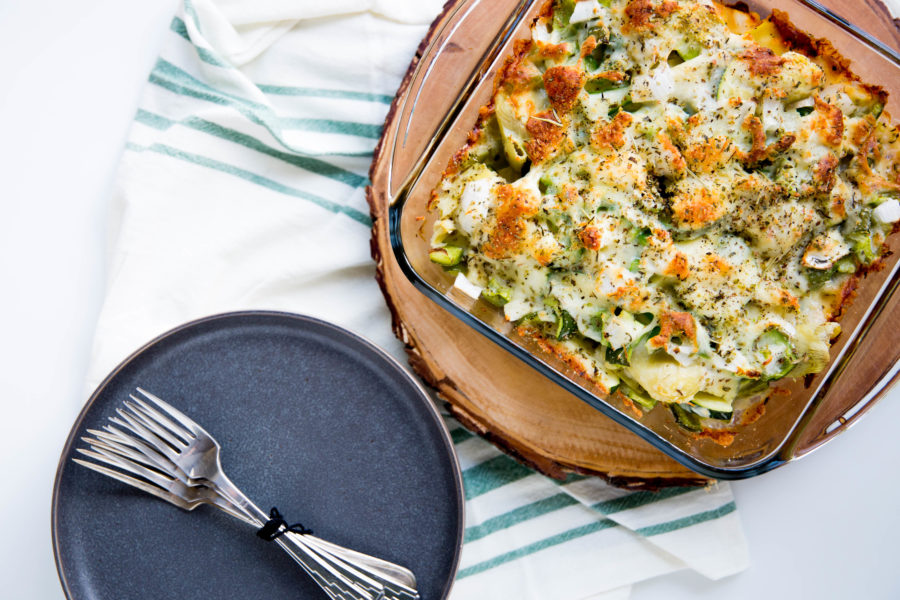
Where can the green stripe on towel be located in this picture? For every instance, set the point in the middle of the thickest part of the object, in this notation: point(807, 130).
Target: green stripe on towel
point(366, 130)
point(491, 474)
point(600, 525)
point(460, 435)
point(304, 162)
point(518, 515)
point(283, 90)
point(210, 163)
point(207, 56)
point(638, 499)
point(183, 83)
point(563, 500)
point(549, 542)
point(696, 519)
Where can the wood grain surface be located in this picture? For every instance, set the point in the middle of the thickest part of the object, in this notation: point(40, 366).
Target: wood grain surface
point(494, 394)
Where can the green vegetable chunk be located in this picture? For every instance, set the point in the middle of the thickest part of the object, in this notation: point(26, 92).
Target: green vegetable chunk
point(689, 50)
point(546, 185)
point(862, 244)
point(818, 277)
point(644, 318)
point(635, 265)
point(616, 357)
point(638, 397)
point(686, 418)
point(447, 256)
point(600, 85)
point(846, 265)
point(778, 352)
point(496, 293)
point(718, 408)
point(642, 236)
point(565, 325)
point(562, 13)
point(752, 387)
point(641, 340)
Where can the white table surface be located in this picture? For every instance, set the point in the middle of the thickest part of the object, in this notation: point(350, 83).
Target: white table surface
point(70, 77)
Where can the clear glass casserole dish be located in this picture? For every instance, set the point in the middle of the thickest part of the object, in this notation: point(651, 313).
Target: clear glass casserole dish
point(454, 79)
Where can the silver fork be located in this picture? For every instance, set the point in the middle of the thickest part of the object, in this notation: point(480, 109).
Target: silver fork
point(162, 485)
point(178, 461)
point(399, 583)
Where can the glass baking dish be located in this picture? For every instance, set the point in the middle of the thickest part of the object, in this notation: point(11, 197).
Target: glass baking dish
point(453, 79)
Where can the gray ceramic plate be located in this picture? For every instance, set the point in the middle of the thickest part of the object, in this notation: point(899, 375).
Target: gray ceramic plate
point(313, 420)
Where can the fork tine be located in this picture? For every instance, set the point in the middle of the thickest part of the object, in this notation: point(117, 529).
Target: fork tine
point(135, 413)
point(147, 436)
point(162, 419)
point(128, 444)
point(139, 484)
point(122, 451)
point(112, 435)
point(122, 437)
point(155, 477)
point(159, 492)
point(126, 438)
point(176, 414)
point(134, 449)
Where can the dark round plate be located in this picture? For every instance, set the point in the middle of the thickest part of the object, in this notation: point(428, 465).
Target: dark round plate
point(312, 419)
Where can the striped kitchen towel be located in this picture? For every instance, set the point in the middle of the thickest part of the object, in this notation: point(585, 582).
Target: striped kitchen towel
point(242, 186)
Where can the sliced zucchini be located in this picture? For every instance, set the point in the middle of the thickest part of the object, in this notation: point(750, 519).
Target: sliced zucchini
point(752, 387)
point(817, 278)
point(616, 356)
point(622, 330)
point(736, 82)
point(686, 418)
point(565, 324)
point(636, 345)
point(546, 185)
point(718, 407)
point(592, 327)
point(638, 397)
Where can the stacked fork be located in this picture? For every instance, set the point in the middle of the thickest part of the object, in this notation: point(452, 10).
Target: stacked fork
point(159, 450)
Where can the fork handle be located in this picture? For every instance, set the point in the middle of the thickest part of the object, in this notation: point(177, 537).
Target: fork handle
point(385, 571)
point(399, 582)
point(337, 578)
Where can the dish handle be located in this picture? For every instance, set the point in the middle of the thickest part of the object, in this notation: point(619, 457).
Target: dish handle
point(849, 392)
point(464, 42)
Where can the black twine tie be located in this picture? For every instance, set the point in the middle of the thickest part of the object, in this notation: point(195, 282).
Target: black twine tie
point(273, 527)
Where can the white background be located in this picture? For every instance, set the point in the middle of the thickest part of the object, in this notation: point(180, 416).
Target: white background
point(70, 77)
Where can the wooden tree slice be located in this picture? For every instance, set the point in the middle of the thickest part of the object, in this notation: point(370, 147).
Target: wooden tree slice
point(500, 398)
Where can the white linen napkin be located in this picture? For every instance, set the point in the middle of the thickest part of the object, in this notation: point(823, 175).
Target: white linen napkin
point(242, 187)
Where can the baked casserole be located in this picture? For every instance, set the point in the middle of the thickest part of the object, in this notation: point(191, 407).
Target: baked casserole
point(675, 197)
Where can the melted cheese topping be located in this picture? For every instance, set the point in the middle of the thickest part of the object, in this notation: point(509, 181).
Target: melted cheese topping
point(671, 197)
